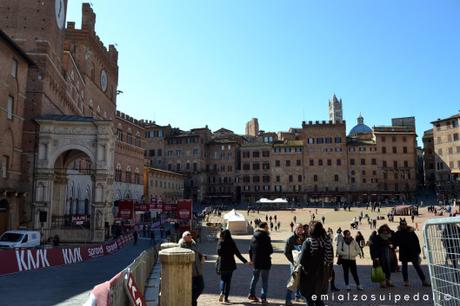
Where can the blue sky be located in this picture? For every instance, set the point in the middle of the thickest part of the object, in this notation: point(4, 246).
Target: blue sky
point(222, 62)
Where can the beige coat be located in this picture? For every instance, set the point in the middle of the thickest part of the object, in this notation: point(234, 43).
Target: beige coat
point(348, 251)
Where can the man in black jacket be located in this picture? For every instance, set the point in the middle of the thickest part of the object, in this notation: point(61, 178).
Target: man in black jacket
point(260, 251)
point(409, 251)
point(294, 243)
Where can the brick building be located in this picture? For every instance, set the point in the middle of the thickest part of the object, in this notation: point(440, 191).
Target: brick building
point(184, 152)
point(69, 149)
point(13, 84)
point(155, 143)
point(254, 172)
point(325, 160)
point(129, 158)
point(221, 164)
point(429, 160)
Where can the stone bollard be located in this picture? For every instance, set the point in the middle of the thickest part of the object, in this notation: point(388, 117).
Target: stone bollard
point(176, 276)
point(168, 245)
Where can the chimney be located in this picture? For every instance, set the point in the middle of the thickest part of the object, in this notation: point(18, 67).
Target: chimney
point(88, 20)
point(113, 53)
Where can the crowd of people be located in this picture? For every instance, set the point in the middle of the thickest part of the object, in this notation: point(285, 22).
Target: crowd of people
point(311, 252)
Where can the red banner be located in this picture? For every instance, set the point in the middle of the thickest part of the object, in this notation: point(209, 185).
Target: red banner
point(125, 210)
point(18, 260)
point(184, 210)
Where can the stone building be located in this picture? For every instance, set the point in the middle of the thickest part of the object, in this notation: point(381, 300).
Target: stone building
point(163, 185)
point(382, 161)
point(129, 158)
point(13, 83)
point(429, 160)
point(446, 138)
point(363, 162)
point(398, 157)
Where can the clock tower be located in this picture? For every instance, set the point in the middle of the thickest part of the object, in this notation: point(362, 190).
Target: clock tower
point(37, 26)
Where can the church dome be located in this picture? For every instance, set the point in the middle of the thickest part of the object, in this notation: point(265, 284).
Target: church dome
point(360, 128)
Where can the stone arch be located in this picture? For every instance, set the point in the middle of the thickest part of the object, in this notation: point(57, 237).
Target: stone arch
point(62, 140)
point(74, 148)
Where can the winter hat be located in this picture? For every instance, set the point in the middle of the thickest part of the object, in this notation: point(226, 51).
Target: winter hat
point(402, 221)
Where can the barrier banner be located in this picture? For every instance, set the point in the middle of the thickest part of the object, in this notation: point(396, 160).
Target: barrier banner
point(133, 291)
point(19, 260)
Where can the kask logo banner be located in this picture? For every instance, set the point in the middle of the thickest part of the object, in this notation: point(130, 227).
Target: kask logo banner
point(20, 260)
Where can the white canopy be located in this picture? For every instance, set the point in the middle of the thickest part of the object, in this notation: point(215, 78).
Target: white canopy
point(277, 200)
point(234, 216)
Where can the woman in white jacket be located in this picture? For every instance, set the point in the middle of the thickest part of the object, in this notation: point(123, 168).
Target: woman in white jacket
point(348, 249)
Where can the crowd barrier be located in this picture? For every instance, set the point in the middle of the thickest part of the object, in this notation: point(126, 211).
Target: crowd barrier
point(115, 291)
point(19, 260)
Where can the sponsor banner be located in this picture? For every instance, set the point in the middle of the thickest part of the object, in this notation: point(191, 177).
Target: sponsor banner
point(79, 219)
point(184, 210)
point(20, 260)
point(141, 207)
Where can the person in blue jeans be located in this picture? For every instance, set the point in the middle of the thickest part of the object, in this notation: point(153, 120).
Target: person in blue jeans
point(226, 250)
point(260, 251)
point(293, 243)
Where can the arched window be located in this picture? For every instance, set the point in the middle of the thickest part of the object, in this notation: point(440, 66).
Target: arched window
point(118, 173)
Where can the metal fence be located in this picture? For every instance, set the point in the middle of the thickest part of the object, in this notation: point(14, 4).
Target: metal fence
point(140, 268)
point(442, 238)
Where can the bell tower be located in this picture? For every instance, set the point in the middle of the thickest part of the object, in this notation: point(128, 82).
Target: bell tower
point(37, 26)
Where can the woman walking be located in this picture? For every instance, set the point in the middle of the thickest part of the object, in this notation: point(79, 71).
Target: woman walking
point(226, 250)
point(382, 248)
point(348, 250)
point(316, 260)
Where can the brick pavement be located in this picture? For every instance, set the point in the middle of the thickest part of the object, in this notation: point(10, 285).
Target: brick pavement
point(280, 272)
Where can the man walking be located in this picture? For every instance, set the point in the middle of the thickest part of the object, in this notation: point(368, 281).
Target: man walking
point(197, 268)
point(260, 251)
point(294, 243)
point(409, 251)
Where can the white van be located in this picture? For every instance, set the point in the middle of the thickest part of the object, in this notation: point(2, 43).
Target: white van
point(20, 239)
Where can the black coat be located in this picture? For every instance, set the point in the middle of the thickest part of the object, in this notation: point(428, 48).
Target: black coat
point(314, 279)
point(227, 252)
point(408, 243)
point(378, 246)
point(260, 250)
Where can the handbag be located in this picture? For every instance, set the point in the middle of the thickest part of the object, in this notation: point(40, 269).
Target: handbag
point(339, 260)
point(218, 265)
point(377, 275)
point(294, 279)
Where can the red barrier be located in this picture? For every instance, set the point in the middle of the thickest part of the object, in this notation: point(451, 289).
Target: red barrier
point(18, 260)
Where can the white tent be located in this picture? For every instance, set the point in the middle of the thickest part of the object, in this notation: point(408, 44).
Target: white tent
point(277, 200)
point(236, 222)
